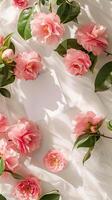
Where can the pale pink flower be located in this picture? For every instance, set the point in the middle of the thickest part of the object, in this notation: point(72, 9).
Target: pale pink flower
point(3, 123)
point(25, 135)
point(28, 65)
point(20, 3)
point(77, 62)
point(28, 189)
point(87, 123)
point(93, 38)
point(8, 55)
point(46, 28)
point(54, 161)
point(1, 40)
point(10, 157)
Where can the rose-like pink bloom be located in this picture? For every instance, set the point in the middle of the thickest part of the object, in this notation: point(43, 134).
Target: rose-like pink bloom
point(3, 123)
point(77, 62)
point(93, 38)
point(47, 28)
point(54, 161)
point(21, 3)
point(10, 157)
point(28, 189)
point(25, 135)
point(8, 55)
point(1, 40)
point(87, 123)
point(28, 65)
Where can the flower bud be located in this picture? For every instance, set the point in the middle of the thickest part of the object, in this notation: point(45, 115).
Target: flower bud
point(8, 55)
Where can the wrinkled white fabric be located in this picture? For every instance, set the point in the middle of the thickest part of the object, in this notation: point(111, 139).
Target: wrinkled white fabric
point(53, 100)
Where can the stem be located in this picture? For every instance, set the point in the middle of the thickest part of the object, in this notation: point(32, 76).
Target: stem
point(105, 136)
point(108, 53)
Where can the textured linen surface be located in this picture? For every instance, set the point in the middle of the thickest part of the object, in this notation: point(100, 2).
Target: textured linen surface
point(53, 100)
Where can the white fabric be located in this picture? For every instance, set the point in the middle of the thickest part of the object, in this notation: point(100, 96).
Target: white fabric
point(53, 100)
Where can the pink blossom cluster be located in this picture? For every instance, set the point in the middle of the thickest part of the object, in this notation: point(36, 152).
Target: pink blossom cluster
point(21, 3)
point(93, 38)
point(87, 123)
point(21, 138)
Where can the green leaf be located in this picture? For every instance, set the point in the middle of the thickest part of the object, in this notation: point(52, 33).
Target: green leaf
point(87, 155)
point(51, 196)
point(2, 166)
point(67, 44)
point(24, 23)
point(109, 125)
point(6, 80)
point(12, 47)
point(58, 2)
point(7, 40)
point(93, 59)
point(2, 197)
point(104, 78)
point(5, 92)
point(2, 65)
point(68, 11)
point(86, 140)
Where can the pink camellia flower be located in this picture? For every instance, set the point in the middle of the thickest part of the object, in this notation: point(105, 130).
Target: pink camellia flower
point(10, 157)
point(8, 55)
point(93, 38)
point(21, 3)
point(77, 62)
point(54, 161)
point(3, 123)
point(47, 28)
point(28, 189)
point(28, 65)
point(87, 123)
point(25, 135)
point(1, 40)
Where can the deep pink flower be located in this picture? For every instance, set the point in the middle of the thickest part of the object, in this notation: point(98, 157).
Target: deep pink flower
point(87, 123)
point(54, 161)
point(93, 38)
point(28, 65)
point(3, 123)
point(8, 55)
point(28, 189)
point(77, 62)
point(21, 3)
point(1, 40)
point(10, 157)
point(47, 28)
point(25, 135)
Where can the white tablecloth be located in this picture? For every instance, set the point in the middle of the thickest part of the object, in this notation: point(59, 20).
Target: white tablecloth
point(53, 100)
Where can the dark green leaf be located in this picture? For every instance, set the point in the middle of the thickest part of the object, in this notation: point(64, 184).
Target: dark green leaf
point(86, 140)
point(2, 197)
point(68, 11)
point(87, 155)
point(67, 44)
point(93, 60)
point(104, 78)
point(60, 2)
point(2, 166)
point(6, 81)
point(5, 92)
point(51, 196)
point(12, 47)
point(42, 2)
point(24, 23)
